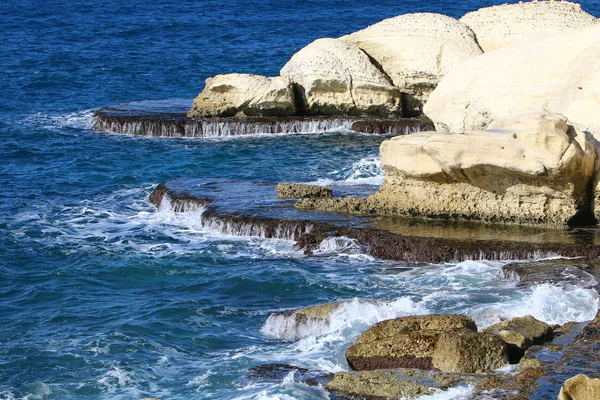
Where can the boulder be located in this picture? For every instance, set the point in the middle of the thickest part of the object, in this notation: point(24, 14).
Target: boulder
point(416, 51)
point(550, 73)
point(302, 190)
point(406, 342)
point(466, 351)
point(521, 333)
point(333, 77)
point(299, 323)
point(506, 24)
point(580, 387)
point(530, 168)
point(244, 95)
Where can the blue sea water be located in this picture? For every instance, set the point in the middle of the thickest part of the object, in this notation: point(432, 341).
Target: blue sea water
point(103, 296)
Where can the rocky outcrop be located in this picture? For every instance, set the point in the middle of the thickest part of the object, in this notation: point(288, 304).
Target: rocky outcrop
point(416, 51)
point(506, 24)
point(582, 272)
point(521, 333)
point(531, 168)
point(332, 77)
point(544, 73)
point(580, 387)
point(467, 351)
point(301, 322)
point(302, 190)
point(244, 95)
point(406, 342)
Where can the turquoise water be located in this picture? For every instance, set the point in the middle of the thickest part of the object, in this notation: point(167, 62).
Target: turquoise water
point(103, 295)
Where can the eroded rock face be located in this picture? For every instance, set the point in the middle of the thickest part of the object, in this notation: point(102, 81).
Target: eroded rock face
point(333, 77)
point(580, 387)
point(466, 351)
point(302, 190)
point(416, 51)
point(531, 168)
point(300, 323)
point(551, 72)
point(244, 95)
point(521, 333)
point(406, 342)
point(506, 24)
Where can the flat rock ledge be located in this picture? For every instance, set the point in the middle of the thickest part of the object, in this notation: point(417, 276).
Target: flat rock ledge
point(302, 190)
point(380, 242)
point(143, 119)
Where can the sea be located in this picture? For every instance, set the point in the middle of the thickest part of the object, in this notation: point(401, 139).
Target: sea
point(105, 296)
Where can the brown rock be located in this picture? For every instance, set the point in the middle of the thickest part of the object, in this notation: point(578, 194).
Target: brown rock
point(580, 387)
point(466, 351)
point(302, 190)
point(406, 342)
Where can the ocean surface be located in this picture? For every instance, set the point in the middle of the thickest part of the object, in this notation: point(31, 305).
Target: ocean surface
point(104, 296)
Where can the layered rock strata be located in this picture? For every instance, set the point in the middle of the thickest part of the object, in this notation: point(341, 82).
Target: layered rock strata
point(416, 51)
point(507, 24)
point(244, 95)
point(332, 77)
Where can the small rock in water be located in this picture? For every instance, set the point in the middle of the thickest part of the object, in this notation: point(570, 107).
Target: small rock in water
point(301, 190)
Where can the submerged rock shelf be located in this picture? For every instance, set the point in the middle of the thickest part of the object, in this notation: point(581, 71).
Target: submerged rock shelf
point(167, 118)
point(251, 209)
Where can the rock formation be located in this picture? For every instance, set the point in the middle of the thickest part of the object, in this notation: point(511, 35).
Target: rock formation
point(244, 95)
point(554, 73)
point(302, 190)
point(406, 342)
point(333, 77)
point(506, 24)
point(580, 387)
point(416, 51)
point(531, 168)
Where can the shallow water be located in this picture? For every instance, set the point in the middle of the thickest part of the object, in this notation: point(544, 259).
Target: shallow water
point(105, 296)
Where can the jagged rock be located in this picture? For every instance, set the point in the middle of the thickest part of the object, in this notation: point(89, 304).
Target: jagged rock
point(580, 387)
point(529, 75)
point(530, 168)
point(467, 351)
point(521, 333)
point(416, 51)
point(333, 77)
point(506, 24)
point(406, 342)
point(302, 190)
point(385, 384)
point(301, 322)
point(579, 272)
point(244, 95)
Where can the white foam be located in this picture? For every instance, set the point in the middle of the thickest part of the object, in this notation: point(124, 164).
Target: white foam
point(82, 120)
point(200, 381)
point(366, 171)
point(461, 392)
point(549, 303)
point(355, 313)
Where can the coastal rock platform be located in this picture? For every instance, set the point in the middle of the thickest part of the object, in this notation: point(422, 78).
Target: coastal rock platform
point(252, 209)
point(168, 118)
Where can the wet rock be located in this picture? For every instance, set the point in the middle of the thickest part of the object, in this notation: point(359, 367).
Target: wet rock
point(521, 333)
point(406, 342)
point(467, 351)
point(376, 385)
point(302, 190)
point(510, 387)
point(274, 371)
point(580, 387)
point(579, 272)
point(300, 323)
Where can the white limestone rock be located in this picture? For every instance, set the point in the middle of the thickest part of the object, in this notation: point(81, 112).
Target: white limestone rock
point(545, 73)
point(244, 95)
point(507, 24)
point(416, 51)
point(334, 77)
point(531, 168)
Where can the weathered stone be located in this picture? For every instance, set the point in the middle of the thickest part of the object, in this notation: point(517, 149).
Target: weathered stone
point(406, 342)
point(521, 333)
point(333, 77)
point(553, 73)
point(466, 351)
point(416, 51)
point(530, 168)
point(244, 95)
point(582, 272)
point(301, 322)
point(580, 387)
point(302, 190)
point(507, 24)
